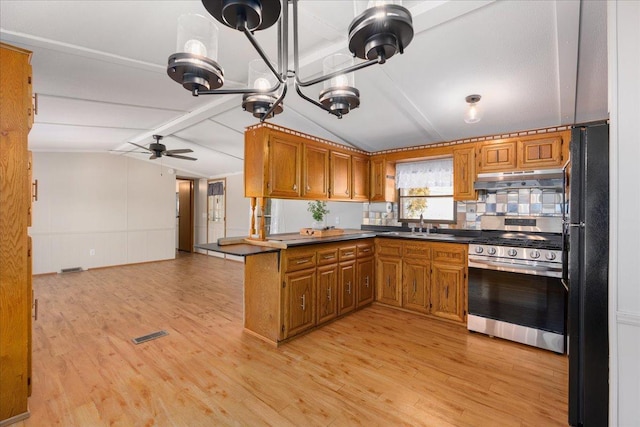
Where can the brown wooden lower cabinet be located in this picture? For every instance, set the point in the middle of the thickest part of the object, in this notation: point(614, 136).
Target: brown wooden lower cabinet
point(365, 281)
point(424, 277)
point(301, 288)
point(299, 301)
point(327, 299)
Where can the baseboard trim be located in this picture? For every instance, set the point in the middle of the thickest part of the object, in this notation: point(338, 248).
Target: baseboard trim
point(15, 419)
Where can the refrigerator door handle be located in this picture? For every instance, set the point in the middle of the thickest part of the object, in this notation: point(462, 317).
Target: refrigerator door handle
point(580, 224)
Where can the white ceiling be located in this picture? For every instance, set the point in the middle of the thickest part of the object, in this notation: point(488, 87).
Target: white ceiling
point(100, 73)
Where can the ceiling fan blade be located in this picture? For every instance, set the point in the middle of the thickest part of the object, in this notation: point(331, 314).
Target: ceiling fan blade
point(175, 156)
point(140, 146)
point(153, 156)
point(128, 151)
point(179, 151)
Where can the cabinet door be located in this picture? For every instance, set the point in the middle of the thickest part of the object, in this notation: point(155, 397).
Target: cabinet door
point(315, 172)
point(299, 302)
point(284, 168)
point(340, 177)
point(388, 281)
point(415, 285)
point(382, 181)
point(364, 289)
point(497, 157)
point(360, 180)
point(347, 287)
point(540, 153)
point(447, 291)
point(464, 174)
point(327, 277)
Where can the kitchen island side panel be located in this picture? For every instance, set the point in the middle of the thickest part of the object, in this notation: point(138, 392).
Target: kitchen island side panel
point(262, 304)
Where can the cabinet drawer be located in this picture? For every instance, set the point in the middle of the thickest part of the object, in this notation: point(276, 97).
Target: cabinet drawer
point(347, 253)
point(365, 249)
point(327, 256)
point(300, 261)
point(419, 250)
point(389, 247)
point(449, 253)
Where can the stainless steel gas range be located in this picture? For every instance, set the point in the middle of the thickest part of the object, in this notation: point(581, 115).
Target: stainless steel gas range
point(515, 281)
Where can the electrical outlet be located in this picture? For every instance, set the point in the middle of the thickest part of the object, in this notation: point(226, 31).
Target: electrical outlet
point(92, 252)
point(337, 220)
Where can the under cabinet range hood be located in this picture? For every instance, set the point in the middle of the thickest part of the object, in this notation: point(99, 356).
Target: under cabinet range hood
point(549, 178)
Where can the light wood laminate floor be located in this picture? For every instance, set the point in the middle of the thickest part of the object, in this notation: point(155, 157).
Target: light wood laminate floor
point(375, 367)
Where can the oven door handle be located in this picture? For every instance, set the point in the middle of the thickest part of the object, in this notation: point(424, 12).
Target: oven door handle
point(515, 268)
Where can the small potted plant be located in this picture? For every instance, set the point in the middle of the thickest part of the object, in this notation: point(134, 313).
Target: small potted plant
point(318, 211)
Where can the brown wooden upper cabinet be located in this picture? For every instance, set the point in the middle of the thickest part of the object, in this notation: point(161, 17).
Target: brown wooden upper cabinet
point(540, 153)
point(315, 172)
point(464, 173)
point(360, 178)
point(340, 177)
point(290, 165)
point(383, 180)
point(497, 156)
point(272, 164)
point(526, 153)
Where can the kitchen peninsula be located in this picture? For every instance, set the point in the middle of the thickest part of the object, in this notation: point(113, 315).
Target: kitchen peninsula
point(295, 283)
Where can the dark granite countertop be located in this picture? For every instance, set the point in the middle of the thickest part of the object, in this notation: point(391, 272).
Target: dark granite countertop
point(296, 240)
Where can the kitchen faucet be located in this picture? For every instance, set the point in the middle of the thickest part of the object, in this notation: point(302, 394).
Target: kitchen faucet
point(421, 223)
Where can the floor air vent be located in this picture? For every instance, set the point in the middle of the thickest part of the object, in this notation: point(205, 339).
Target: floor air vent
point(149, 337)
point(71, 270)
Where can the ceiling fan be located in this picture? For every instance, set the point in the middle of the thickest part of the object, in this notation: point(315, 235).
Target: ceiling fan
point(157, 149)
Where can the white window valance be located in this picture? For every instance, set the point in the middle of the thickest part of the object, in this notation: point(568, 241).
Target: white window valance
point(428, 173)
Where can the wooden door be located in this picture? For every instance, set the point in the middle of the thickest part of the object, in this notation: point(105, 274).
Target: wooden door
point(327, 298)
point(416, 282)
point(346, 287)
point(299, 301)
point(365, 280)
point(315, 172)
point(447, 295)
point(284, 168)
point(185, 216)
point(389, 281)
point(497, 156)
point(464, 174)
point(360, 178)
point(340, 176)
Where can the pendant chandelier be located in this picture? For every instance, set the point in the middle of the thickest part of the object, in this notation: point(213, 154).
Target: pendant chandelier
point(382, 30)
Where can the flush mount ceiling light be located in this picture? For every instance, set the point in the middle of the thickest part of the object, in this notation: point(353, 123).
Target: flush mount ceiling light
point(375, 35)
point(474, 112)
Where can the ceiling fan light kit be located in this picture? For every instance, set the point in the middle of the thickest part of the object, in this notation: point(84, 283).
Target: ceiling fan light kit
point(473, 114)
point(375, 35)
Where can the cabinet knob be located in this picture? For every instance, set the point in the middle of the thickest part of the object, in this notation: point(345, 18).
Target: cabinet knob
point(349, 288)
point(303, 302)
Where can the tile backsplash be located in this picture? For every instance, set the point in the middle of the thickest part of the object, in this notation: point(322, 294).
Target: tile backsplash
point(524, 202)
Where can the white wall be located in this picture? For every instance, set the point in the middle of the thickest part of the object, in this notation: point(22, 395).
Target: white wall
point(624, 290)
point(200, 212)
point(238, 207)
point(122, 208)
point(293, 215)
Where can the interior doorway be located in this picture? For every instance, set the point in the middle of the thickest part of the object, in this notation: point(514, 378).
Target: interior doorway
point(184, 214)
point(216, 209)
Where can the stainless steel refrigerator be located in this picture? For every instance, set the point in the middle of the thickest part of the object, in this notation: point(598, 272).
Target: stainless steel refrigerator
point(587, 240)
